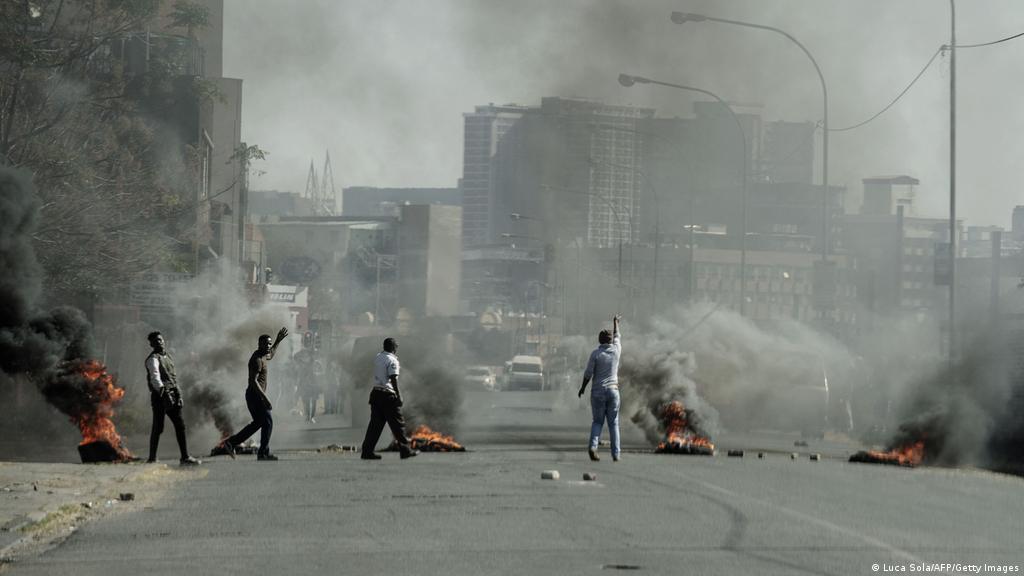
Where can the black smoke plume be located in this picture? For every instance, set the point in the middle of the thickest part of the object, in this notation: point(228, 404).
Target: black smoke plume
point(46, 347)
point(965, 414)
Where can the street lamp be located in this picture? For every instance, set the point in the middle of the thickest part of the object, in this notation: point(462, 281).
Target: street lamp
point(628, 80)
point(684, 17)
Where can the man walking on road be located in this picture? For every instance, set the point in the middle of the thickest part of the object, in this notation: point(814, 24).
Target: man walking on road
point(386, 404)
point(165, 398)
point(256, 399)
point(603, 367)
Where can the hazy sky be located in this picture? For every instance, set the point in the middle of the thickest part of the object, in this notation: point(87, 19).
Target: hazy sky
point(383, 84)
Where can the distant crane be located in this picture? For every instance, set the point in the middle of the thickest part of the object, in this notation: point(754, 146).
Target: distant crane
point(320, 190)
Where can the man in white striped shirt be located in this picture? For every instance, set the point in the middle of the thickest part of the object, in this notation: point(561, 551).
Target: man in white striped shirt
point(386, 404)
point(165, 399)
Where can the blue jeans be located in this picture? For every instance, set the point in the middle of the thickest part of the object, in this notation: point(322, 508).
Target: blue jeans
point(604, 403)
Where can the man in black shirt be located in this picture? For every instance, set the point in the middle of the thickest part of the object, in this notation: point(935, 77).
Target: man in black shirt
point(165, 399)
point(256, 399)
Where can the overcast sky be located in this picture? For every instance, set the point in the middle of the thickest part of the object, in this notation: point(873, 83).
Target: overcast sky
point(383, 84)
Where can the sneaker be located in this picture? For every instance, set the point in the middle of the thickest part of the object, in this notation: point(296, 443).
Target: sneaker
point(190, 461)
point(229, 449)
point(615, 458)
point(593, 455)
point(312, 420)
point(152, 461)
point(266, 457)
point(410, 454)
point(370, 456)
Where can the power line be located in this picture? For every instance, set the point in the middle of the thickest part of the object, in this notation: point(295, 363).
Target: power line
point(897, 98)
point(921, 73)
point(1007, 39)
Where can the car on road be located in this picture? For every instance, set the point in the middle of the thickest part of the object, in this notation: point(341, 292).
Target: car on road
point(479, 378)
point(525, 373)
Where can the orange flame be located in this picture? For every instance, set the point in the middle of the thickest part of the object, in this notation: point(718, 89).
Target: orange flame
point(679, 436)
point(907, 455)
point(98, 426)
point(423, 438)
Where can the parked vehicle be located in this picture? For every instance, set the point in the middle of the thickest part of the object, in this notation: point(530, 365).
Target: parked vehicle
point(479, 378)
point(526, 373)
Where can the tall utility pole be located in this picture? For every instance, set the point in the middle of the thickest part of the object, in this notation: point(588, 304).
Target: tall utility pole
point(952, 179)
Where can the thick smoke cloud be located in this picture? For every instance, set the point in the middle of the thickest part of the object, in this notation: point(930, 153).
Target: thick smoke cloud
point(964, 414)
point(724, 368)
point(224, 330)
point(423, 64)
point(45, 347)
point(430, 380)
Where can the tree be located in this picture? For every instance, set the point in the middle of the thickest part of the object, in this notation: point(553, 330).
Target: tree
point(190, 15)
point(115, 171)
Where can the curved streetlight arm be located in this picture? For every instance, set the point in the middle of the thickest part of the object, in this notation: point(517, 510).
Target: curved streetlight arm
point(629, 80)
point(683, 17)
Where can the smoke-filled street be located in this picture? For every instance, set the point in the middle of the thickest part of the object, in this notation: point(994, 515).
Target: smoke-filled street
point(487, 511)
point(511, 286)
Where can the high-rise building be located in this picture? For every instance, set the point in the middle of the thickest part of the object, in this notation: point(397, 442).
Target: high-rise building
point(1017, 225)
point(429, 259)
point(484, 129)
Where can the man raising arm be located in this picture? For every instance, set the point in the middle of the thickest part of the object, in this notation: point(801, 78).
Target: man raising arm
point(603, 367)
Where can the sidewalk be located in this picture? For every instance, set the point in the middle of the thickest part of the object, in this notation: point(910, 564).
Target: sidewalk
point(41, 504)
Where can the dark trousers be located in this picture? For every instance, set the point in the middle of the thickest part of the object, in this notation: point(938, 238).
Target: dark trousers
point(159, 411)
point(384, 408)
point(261, 420)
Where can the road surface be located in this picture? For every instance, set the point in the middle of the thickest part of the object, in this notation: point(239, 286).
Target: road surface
point(488, 511)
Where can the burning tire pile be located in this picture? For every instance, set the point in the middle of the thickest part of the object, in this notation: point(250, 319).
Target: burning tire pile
point(909, 455)
point(426, 440)
point(88, 396)
point(680, 436)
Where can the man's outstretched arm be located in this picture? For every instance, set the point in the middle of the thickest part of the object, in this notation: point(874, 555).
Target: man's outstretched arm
point(281, 334)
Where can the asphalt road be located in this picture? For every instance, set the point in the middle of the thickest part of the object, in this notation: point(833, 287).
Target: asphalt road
point(488, 511)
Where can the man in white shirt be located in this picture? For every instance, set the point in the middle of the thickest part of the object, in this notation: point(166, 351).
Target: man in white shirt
point(603, 367)
point(386, 404)
point(165, 399)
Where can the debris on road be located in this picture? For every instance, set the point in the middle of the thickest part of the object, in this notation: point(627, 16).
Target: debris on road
point(127, 496)
point(549, 475)
point(337, 448)
point(589, 477)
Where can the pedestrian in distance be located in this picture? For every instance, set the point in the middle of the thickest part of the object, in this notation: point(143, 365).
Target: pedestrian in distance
point(256, 399)
point(603, 368)
point(386, 404)
point(165, 399)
